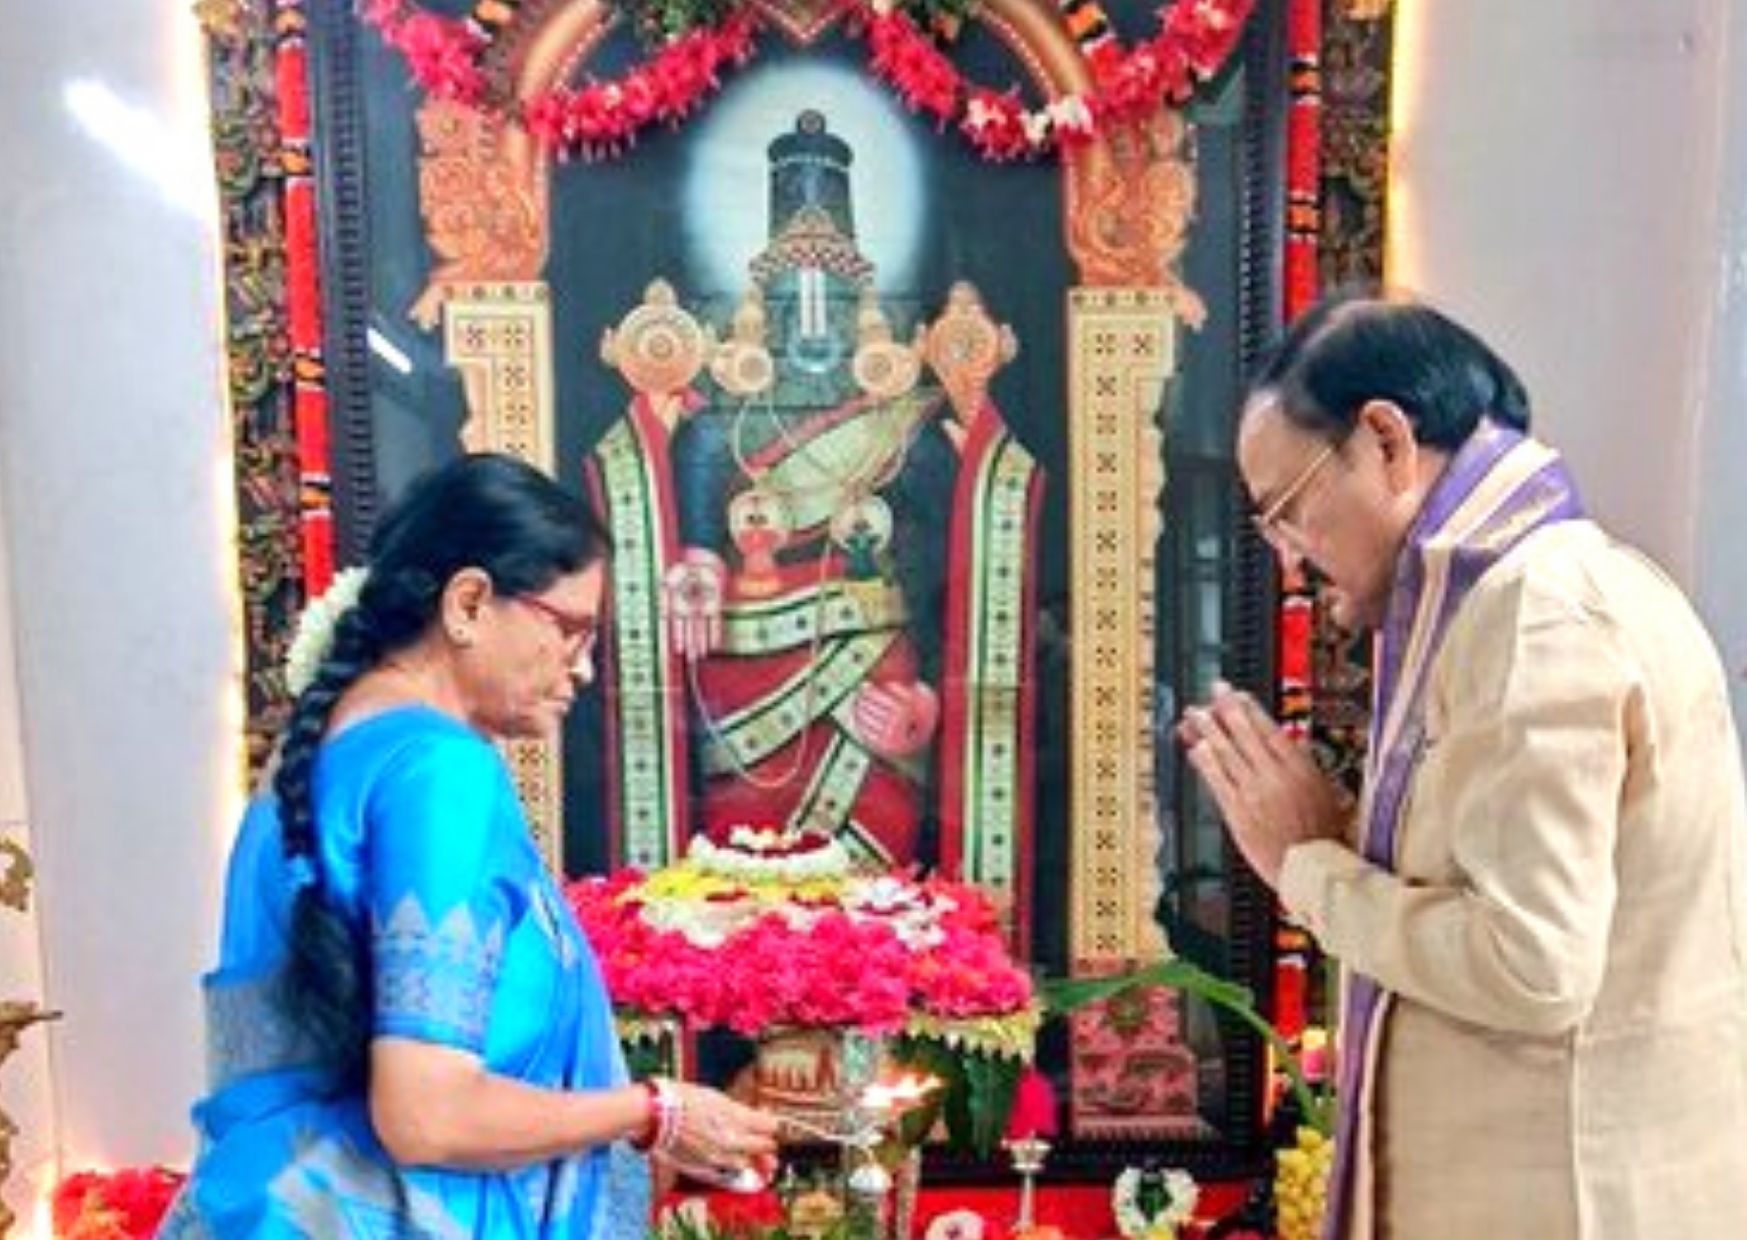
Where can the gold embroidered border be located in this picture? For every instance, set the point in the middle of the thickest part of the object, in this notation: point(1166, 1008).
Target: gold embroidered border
point(499, 339)
point(1121, 350)
point(994, 847)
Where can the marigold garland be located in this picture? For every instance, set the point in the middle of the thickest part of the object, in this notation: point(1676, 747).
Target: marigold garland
point(601, 118)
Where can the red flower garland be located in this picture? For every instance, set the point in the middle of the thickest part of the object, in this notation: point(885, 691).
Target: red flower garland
point(442, 53)
point(601, 118)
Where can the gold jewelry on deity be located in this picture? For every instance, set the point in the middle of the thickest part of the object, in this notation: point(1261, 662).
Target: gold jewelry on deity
point(882, 368)
point(659, 347)
point(742, 364)
point(964, 347)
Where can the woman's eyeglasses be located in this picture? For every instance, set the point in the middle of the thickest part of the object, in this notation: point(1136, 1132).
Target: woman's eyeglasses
point(577, 632)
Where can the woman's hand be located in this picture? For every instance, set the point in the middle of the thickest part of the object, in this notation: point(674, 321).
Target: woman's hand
point(717, 1137)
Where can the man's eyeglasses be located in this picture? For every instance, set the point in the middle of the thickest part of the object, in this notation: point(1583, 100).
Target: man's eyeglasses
point(1271, 521)
point(577, 632)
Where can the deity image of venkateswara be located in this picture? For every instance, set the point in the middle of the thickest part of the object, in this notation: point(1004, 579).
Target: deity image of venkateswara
point(821, 595)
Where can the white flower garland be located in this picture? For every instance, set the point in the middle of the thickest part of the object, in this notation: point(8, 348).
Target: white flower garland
point(753, 856)
point(1180, 1187)
point(315, 628)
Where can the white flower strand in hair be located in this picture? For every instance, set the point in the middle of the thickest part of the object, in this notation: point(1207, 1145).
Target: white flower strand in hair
point(315, 628)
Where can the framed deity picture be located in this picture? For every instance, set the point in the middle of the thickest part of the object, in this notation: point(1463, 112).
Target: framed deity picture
point(917, 463)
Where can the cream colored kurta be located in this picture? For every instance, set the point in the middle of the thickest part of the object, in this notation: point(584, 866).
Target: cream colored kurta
point(1565, 940)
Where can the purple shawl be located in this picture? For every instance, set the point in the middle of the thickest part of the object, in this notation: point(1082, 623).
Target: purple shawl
point(1496, 490)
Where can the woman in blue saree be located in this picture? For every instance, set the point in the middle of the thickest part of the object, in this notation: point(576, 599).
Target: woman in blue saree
point(408, 1035)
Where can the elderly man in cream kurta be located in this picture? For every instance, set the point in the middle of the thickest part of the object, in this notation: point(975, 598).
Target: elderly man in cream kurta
point(1541, 903)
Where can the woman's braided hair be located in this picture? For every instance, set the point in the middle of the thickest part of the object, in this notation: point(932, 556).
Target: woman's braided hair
point(483, 511)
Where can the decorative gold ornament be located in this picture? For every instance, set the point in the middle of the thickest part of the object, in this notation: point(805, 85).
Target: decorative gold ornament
point(882, 367)
point(1131, 198)
point(484, 208)
point(659, 347)
point(1121, 351)
point(742, 363)
point(965, 347)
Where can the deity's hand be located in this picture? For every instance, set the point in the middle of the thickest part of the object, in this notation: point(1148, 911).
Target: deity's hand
point(896, 720)
point(1270, 792)
point(718, 1138)
point(692, 592)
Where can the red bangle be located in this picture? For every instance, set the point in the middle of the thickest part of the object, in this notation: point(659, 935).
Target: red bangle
point(652, 1113)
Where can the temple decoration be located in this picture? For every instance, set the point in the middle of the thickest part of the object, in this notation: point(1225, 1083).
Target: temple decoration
point(1122, 351)
point(769, 614)
point(482, 205)
point(1152, 1203)
point(1136, 195)
point(1301, 1173)
point(303, 318)
point(126, 1204)
point(260, 144)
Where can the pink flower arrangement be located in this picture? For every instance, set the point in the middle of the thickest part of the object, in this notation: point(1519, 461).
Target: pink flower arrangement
point(824, 959)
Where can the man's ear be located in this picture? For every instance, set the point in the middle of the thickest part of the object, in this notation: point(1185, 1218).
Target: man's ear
point(1398, 447)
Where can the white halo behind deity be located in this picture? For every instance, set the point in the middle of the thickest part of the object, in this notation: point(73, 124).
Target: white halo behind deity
point(727, 181)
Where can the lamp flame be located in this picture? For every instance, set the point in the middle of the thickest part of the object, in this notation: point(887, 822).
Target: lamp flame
point(899, 1094)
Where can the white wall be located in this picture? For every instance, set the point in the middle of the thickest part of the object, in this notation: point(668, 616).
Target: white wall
point(26, 1083)
point(1720, 446)
point(1554, 173)
point(1571, 179)
point(114, 473)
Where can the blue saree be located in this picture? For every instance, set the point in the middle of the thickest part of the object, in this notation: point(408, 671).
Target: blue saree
point(423, 848)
